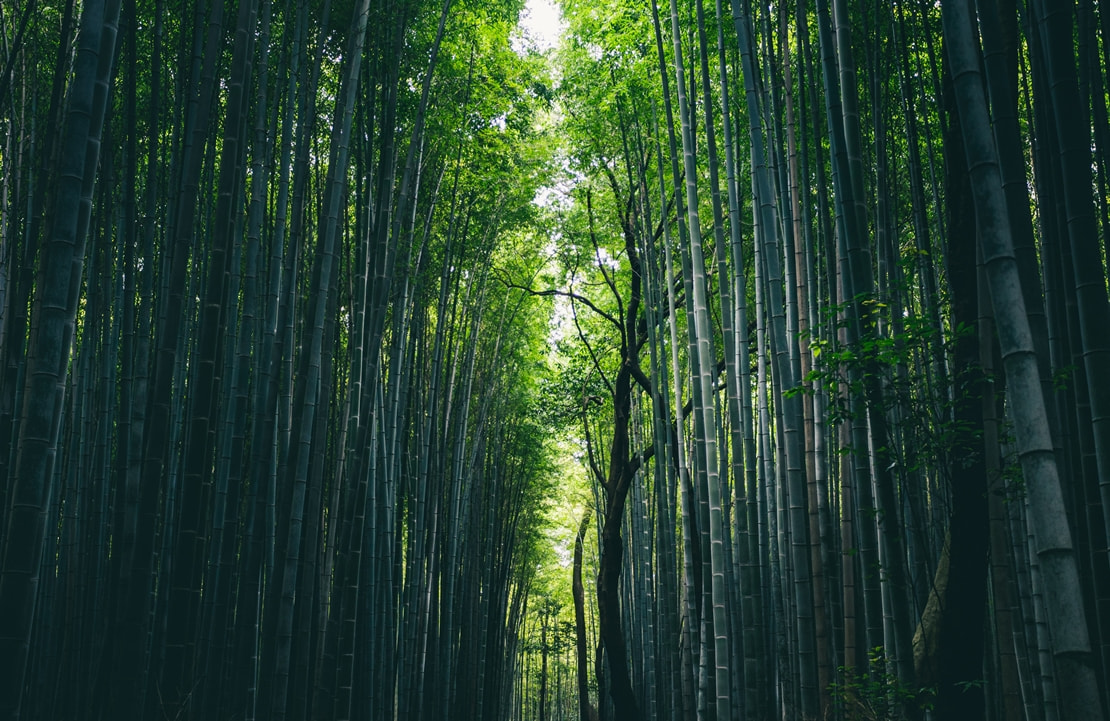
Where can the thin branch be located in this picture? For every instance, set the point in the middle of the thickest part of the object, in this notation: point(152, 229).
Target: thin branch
point(640, 377)
point(590, 350)
point(565, 294)
point(600, 263)
point(594, 467)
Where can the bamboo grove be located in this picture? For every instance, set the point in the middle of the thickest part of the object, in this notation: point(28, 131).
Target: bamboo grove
point(285, 459)
point(368, 359)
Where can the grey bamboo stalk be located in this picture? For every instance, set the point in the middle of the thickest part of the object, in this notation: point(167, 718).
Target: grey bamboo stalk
point(813, 428)
point(782, 368)
point(308, 390)
point(129, 655)
point(689, 603)
point(1039, 633)
point(704, 366)
point(243, 601)
point(1079, 695)
point(857, 484)
point(1004, 618)
point(767, 542)
point(665, 540)
point(860, 287)
point(1054, 22)
point(745, 488)
point(54, 312)
point(205, 371)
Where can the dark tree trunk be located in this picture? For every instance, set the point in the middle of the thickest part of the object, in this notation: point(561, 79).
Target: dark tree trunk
point(586, 711)
point(963, 608)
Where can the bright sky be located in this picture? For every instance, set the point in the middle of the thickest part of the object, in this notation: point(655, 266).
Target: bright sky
point(541, 23)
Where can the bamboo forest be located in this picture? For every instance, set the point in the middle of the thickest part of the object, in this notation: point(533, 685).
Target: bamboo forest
point(559, 360)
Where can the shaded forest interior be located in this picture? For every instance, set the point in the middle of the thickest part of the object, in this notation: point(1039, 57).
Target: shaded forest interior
point(613, 361)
